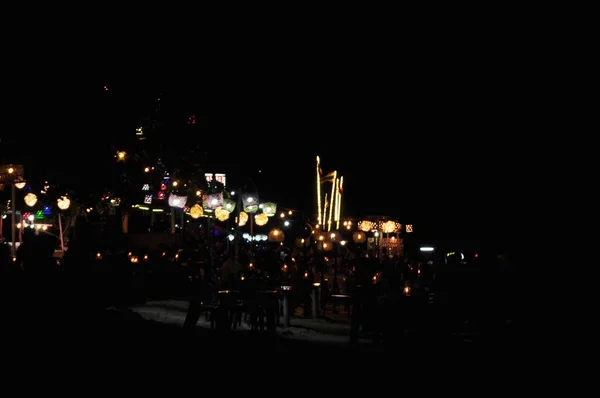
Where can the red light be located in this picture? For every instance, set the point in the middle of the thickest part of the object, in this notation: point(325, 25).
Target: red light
point(476, 255)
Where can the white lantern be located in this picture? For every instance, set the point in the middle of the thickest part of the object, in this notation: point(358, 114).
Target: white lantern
point(63, 203)
point(177, 201)
point(213, 201)
point(30, 199)
point(250, 202)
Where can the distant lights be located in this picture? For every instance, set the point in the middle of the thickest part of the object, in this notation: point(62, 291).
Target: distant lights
point(426, 248)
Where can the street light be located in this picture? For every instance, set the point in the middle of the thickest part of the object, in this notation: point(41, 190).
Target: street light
point(63, 204)
point(12, 174)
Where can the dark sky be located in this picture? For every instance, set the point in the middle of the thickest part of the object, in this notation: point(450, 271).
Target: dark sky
point(429, 140)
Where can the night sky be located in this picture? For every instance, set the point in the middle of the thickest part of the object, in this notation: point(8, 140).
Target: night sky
point(427, 144)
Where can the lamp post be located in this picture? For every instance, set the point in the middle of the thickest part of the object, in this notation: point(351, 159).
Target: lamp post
point(63, 204)
point(13, 175)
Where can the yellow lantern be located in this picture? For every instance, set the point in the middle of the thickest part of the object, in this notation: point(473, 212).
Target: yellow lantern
point(63, 203)
point(261, 219)
point(359, 237)
point(243, 218)
point(20, 185)
point(196, 211)
point(366, 225)
point(30, 199)
point(221, 214)
point(390, 227)
point(409, 228)
point(276, 236)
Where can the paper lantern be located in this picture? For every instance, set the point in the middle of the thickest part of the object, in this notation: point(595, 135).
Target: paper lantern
point(276, 236)
point(302, 242)
point(269, 209)
point(409, 228)
point(196, 211)
point(30, 199)
point(261, 219)
point(221, 214)
point(229, 205)
point(213, 201)
point(177, 201)
point(390, 227)
point(20, 185)
point(63, 203)
point(243, 218)
point(250, 202)
point(359, 237)
point(366, 225)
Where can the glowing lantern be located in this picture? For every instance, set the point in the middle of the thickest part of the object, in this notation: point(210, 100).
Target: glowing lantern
point(324, 246)
point(30, 199)
point(276, 236)
point(213, 201)
point(177, 201)
point(121, 155)
point(359, 237)
point(409, 228)
point(196, 211)
point(221, 214)
point(250, 202)
point(243, 218)
point(20, 185)
point(366, 225)
point(161, 195)
point(63, 203)
point(269, 209)
point(229, 205)
point(261, 219)
point(301, 242)
point(390, 227)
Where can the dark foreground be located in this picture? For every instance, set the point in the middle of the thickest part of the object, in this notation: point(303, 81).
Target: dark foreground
point(122, 335)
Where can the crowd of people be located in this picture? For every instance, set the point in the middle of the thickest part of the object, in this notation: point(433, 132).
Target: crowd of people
point(388, 294)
